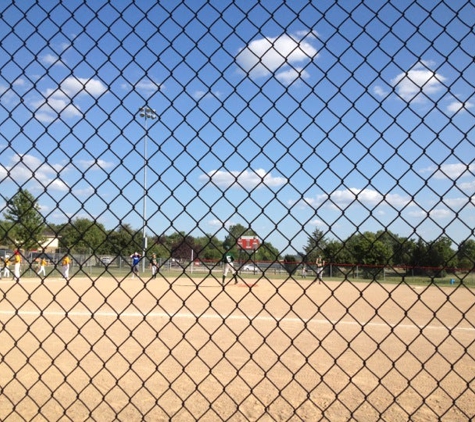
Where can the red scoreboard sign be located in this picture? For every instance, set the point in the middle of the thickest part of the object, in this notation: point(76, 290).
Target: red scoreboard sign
point(249, 242)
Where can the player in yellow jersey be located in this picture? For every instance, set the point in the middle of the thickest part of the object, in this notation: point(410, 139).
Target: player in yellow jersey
point(42, 270)
point(6, 266)
point(65, 264)
point(17, 265)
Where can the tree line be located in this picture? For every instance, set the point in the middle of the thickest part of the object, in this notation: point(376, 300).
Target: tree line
point(25, 228)
point(384, 248)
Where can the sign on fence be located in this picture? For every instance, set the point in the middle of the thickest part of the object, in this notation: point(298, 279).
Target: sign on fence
point(250, 243)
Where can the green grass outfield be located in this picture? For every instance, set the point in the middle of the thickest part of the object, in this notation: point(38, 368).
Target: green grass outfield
point(197, 274)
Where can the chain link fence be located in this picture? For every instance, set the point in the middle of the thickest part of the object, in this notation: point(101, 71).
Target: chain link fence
point(336, 135)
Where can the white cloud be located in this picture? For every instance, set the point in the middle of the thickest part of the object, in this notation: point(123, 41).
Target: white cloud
point(440, 213)
point(73, 86)
point(287, 77)
point(317, 223)
point(148, 86)
point(458, 203)
point(248, 179)
point(48, 110)
point(60, 216)
point(88, 191)
point(27, 167)
point(456, 106)
point(20, 82)
point(418, 83)
point(66, 45)
point(380, 91)
point(60, 100)
point(218, 223)
point(368, 197)
point(44, 208)
point(8, 95)
point(50, 59)
point(467, 186)
point(198, 95)
point(418, 214)
point(44, 116)
point(437, 213)
point(450, 171)
point(58, 185)
point(215, 223)
point(95, 164)
point(265, 56)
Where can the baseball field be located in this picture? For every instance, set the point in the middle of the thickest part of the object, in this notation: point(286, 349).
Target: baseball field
point(187, 348)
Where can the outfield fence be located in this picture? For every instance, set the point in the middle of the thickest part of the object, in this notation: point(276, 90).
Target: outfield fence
point(288, 118)
point(94, 265)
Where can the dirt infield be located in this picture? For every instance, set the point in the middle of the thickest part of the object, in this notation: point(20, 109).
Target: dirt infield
point(188, 350)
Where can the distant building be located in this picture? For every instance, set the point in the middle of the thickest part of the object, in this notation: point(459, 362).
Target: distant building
point(4, 251)
point(51, 244)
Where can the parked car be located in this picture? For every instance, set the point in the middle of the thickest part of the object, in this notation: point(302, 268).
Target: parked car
point(38, 256)
point(107, 260)
point(250, 267)
point(5, 252)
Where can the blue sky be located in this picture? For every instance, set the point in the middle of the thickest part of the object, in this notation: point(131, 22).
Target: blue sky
point(285, 117)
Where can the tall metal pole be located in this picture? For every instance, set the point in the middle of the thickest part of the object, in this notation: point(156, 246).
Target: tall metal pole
point(146, 113)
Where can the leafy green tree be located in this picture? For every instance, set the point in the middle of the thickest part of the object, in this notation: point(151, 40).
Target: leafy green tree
point(420, 256)
point(84, 236)
point(5, 228)
point(316, 244)
point(26, 222)
point(53, 228)
point(367, 251)
point(124, 240)
point(230, 241)
point(290, 263)
point(336, 252)
point(432, 258)
point(466, 254)
point(209, 247)
point(267, 253)
point(402, 248)
point(157, 245)
point(441, 253)
point(182, 245)
point(234, 233)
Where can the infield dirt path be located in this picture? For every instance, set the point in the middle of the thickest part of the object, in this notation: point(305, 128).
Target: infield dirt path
point(268, 350)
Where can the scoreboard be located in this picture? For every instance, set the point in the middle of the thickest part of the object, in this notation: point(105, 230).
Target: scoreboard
point(249, 243)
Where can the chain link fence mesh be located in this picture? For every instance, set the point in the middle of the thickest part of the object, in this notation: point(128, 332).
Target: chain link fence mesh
point(339, 131)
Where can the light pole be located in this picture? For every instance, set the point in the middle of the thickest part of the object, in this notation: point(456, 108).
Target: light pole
point(146, 113)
